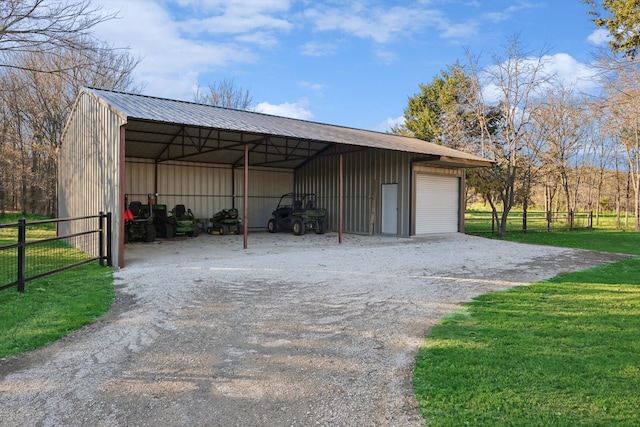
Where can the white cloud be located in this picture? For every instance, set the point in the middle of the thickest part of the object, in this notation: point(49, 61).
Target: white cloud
point(389, 123)
point(560, 68)
point(234, 16)
point(170, 63)
point(571, 73)
point(381, 25)
point(385, 56)
point(599, 37)
point(208, 6)
point(294, 110)
point(318, 49)
point(261, 38)
point(316, 87)
point(458, 31)
point(234, 23)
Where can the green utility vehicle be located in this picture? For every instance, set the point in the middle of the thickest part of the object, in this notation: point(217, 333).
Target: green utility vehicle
point(298, 213)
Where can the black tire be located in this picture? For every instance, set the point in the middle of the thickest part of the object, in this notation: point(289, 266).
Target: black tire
point(150, 233)
point(195, 232)
point(297, 227)
point(221, 230)
point(169, 231)
point(321, 227)
point(272, 226)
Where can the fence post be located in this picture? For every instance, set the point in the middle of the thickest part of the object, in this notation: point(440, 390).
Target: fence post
point(590, 219)
point(570, 220)
point(548, 221)
point(101, 238)
point(109, 240)
point(22, 239)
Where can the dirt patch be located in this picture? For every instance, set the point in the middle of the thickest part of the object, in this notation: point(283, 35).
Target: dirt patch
point(292, 331)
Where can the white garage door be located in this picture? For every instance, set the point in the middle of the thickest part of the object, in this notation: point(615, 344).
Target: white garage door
point(437, 202)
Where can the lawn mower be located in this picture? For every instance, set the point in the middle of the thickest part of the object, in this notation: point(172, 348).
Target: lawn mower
point(225, 222)
point(163, 223)
point(298, 213)
point(184, 221)
point(138, 221)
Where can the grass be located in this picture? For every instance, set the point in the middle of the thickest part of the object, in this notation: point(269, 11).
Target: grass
point(562, 352)
point(55, 305)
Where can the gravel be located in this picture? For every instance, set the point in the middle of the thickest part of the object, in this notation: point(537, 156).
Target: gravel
point(294, 331)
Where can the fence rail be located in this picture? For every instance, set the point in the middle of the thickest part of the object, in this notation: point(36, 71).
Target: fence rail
point(484, 222)
point(30, 250)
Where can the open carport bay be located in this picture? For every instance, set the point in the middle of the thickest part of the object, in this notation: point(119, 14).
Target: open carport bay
point(292, 331)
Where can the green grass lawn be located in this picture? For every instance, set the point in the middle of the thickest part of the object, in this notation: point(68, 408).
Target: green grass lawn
point(55, 305)
point(562, 352)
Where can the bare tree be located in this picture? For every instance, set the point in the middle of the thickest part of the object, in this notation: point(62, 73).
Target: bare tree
point(36, 105)
point(623, 104)
point(513, 82)
point(226, 94)
point(44, 26)
point(562, 121)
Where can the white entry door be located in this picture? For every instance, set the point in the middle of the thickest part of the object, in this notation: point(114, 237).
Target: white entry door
point(389, 208)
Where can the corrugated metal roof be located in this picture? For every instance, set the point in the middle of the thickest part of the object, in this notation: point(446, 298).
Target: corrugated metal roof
point(147, 108)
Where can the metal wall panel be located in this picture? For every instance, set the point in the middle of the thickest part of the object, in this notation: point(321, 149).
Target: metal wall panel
point(364, 173)
point(89, 165)
point(209, 188)
point(266, 186)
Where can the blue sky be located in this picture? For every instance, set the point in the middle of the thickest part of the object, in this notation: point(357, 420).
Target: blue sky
point(350, 63)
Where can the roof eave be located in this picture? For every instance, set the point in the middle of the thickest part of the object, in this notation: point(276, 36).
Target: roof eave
point(456, 161)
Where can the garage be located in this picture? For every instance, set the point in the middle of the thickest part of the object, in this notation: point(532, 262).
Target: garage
point(118, 145)
point(437, 201)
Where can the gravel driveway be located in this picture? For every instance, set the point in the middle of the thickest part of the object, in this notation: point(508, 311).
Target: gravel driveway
point(294, 331)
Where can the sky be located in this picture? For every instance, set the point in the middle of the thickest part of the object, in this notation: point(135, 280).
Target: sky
point(351, 63)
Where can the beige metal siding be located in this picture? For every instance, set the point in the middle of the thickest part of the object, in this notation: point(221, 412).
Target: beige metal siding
point(266, 186)
point(89, 165)
point(209, 188)
point(364, 173)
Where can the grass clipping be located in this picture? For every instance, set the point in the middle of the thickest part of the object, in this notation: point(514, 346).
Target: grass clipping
point(560, 352)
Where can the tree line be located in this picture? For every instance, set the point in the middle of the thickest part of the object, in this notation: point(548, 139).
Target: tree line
point(553, 146)
point(47, 53)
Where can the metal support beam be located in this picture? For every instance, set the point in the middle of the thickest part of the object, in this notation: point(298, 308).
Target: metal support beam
point(340, 203)
point(246, 196)
point(121, 204)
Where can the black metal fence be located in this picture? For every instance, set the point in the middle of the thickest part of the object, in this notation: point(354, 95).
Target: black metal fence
point(484, 222)
point(30, 250)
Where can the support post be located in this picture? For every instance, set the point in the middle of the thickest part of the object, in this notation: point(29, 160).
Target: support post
point(22, 240)
point(340, 202)
point(246, 196)
point(101, 256)
point(109, 239)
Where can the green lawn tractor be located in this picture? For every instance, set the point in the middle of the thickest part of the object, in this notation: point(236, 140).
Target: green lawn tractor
point(225, 222)
point(184, 221)
point(298, 213)
point(138, 221)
